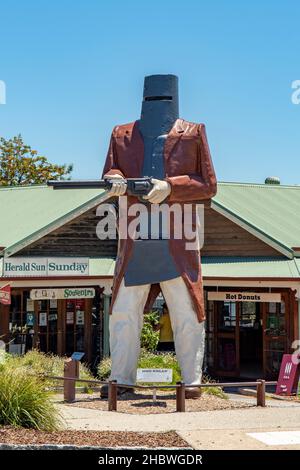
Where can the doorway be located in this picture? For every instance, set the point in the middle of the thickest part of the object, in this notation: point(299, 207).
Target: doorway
point(249, 338)
point(239, 339)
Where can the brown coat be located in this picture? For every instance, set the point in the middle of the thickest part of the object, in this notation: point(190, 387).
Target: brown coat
point(190, 172)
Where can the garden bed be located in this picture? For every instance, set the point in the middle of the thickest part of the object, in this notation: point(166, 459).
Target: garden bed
point(141, 402)
point(21, 436)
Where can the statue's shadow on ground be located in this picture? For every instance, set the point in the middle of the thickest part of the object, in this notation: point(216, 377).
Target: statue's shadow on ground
point(143, 404)
point(142, 400)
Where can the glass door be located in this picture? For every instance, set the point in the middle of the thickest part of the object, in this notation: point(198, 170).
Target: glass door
point(275, 336)
point(75, 326)
point(251, 343)
point(227, 361)
point(47, 315)
point(21, 322)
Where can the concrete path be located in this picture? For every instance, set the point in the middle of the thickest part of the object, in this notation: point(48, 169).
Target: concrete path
point(222, 429)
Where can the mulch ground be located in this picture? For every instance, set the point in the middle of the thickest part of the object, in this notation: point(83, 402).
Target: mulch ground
point(142, 403)
point(21, 436)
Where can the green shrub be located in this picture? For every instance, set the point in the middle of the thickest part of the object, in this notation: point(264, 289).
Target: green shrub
point(216, 391)
point(104, 368)
point(149, 336)
point(24, 400)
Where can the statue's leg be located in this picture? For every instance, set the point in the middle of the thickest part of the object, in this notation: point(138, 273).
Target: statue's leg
point(125, 326)
point(189, 334)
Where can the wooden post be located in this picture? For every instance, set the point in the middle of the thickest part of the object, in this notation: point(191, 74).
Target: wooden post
point(180, 397)
point(261, 393)
point(112, 395)
point(71, 369)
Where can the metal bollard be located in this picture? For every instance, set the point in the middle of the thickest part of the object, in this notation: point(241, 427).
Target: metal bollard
point(261, 393)
point(71, 369)
point(180, 397)
point(112, 395)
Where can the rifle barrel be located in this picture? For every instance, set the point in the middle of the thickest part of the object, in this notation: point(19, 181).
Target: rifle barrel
point(78, 184)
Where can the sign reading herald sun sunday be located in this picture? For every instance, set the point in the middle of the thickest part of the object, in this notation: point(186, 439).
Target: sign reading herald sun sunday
point(45, 267)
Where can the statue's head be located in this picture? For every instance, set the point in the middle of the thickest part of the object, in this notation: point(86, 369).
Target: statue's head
point(160, 103)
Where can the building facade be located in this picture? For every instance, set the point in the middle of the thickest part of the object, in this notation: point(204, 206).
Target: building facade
point(61, 274)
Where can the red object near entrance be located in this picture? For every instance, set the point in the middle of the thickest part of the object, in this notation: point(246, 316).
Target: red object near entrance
point(5, 296)
point(289, 375)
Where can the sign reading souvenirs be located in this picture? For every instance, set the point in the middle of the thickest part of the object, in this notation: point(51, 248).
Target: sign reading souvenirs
point(66, 293)
point(45, 267)
point(244, 296)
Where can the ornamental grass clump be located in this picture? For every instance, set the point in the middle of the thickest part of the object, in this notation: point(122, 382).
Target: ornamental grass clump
point(24, 400)
point(36, 362)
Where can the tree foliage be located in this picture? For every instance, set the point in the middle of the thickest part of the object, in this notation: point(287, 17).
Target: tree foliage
point(20, 165)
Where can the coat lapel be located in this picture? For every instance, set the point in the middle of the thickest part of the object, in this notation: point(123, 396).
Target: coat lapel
point(173, 138)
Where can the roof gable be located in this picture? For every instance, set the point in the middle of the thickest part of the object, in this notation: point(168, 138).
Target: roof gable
point(270, 212)
point(30, 212)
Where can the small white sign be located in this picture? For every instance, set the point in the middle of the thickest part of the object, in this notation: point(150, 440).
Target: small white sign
point(244, 296)
point(79, 317)
point(154, 375)
point(43, 319)
point(29, 305)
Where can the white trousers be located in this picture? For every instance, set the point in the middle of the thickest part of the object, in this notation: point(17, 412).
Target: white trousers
point(126, 322)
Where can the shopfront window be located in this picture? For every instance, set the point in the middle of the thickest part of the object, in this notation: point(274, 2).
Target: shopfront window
point(209, 337)
point(21, 323)
point(47, 325)
point(275, 319)
point(75, 326)
point(275, 339)
point(249, 314)
point(227, 317)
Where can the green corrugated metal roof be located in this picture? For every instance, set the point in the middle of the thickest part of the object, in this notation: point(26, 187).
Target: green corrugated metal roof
point(272, 210)
point(297, 262)
point(226, 266)
point(220, 267)
point(26, 210)
point(256, 267)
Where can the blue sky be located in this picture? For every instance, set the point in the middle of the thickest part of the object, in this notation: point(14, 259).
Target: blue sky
point(74, 69)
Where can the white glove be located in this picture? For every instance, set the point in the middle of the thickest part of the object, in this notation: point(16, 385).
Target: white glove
point(119, 186)
point(159, 192)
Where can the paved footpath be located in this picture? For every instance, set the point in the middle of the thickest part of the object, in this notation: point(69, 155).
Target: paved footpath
point(222, 429)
